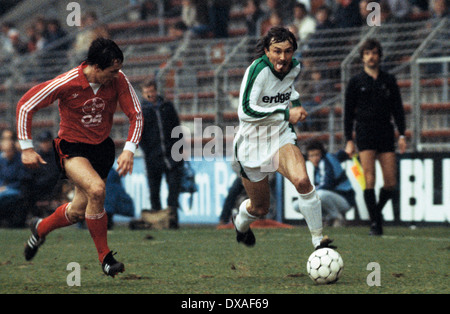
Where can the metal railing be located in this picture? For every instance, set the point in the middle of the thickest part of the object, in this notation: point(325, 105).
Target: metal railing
point(203, 77)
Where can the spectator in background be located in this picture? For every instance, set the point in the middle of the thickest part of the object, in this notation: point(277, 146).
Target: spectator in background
point(8, 134)
point(315, 90)
point(273, 21)
point(331, 183)
point(219, 17)
point(19, 46)
point(44, 178)
point(161, 118)
point(171, 8)
point(235, 190)
point(87, 35)
point(195, 14)
point(54, 33)
point(117, 200)
point(439, 9)
point(439, 46)
point(14, 178)
point(176, 32)
point(40, 29)
point(305, 23)
point(420, 5)
point(32, 38)
point(148, 9)
point(253, 14)
point(386, 13)
point(319, 40)
point(323, 18)
point(347, 14)
point(400, 10)
point(297, 54)
point(284, 9)
point(364, 11)
point(7, 48)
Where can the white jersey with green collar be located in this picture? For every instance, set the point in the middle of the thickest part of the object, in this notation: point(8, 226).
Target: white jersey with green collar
point(265, 96)
point(264, 127)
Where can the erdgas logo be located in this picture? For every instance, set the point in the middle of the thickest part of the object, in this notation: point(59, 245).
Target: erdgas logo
point(278, 98)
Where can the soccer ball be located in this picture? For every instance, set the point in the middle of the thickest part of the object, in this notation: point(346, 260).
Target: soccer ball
point(325, 266)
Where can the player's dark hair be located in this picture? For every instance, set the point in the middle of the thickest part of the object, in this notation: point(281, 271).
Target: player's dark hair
point(370, 44)
point(103, 52)
point(276, 34)
point(314, 144)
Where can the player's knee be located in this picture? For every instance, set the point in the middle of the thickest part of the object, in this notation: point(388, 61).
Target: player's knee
point(302, 184)
point(97, 192)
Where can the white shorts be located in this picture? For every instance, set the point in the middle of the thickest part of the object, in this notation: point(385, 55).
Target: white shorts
point(256, 146)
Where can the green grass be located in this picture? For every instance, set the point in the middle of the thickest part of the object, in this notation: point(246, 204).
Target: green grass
point(204, 260)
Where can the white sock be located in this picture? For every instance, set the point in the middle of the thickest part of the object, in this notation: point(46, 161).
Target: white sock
point(243, 218)
point(310, 207)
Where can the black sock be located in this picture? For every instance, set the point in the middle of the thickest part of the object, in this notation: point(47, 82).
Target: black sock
point(371, 203)
point(385, 195)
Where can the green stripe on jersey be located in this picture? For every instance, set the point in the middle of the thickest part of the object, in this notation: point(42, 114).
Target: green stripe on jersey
point(255, 69)
point(253, 72)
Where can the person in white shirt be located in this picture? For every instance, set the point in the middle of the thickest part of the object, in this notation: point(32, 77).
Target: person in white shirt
point(305, 23)
point(266, 141)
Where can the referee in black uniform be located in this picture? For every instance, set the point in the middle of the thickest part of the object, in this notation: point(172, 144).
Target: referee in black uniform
point(372, 98)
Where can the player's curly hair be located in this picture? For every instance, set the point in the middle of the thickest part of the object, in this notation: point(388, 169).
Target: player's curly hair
point(276, 34)
point(103, 52)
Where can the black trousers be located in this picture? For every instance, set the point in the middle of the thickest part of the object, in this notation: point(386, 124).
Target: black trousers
point(155, 173)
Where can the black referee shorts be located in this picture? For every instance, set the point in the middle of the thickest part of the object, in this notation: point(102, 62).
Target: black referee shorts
point(379, 140)
point(101, 156)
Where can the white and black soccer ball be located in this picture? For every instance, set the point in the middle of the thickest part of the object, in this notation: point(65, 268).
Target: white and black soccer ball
point(325, 266)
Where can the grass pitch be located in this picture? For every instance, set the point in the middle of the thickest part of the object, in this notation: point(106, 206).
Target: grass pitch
point(204, 260)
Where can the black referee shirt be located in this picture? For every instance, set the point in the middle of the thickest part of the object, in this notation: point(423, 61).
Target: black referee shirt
point(372, 103)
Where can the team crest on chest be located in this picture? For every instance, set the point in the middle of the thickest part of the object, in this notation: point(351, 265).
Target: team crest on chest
point(92, 110)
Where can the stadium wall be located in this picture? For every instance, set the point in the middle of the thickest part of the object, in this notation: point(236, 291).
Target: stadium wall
point(424, 192)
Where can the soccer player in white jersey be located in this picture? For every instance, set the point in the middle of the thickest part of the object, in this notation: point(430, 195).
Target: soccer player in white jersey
point(266, 142)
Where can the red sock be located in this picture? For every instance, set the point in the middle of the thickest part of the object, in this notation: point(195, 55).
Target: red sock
point(98, 227)
point(56, 220)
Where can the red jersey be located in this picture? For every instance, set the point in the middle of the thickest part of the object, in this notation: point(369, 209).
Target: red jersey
point(86, 117)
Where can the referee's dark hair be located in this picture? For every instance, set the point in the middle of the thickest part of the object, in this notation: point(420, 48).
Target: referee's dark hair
point(103, 52)
point(370, 44)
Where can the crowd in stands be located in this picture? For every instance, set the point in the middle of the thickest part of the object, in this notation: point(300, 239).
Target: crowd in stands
point(48, 34)
point(309, 16)
point(211, 18)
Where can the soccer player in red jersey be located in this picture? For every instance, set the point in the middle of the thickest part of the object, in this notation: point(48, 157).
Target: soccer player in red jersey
point(87, 99)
